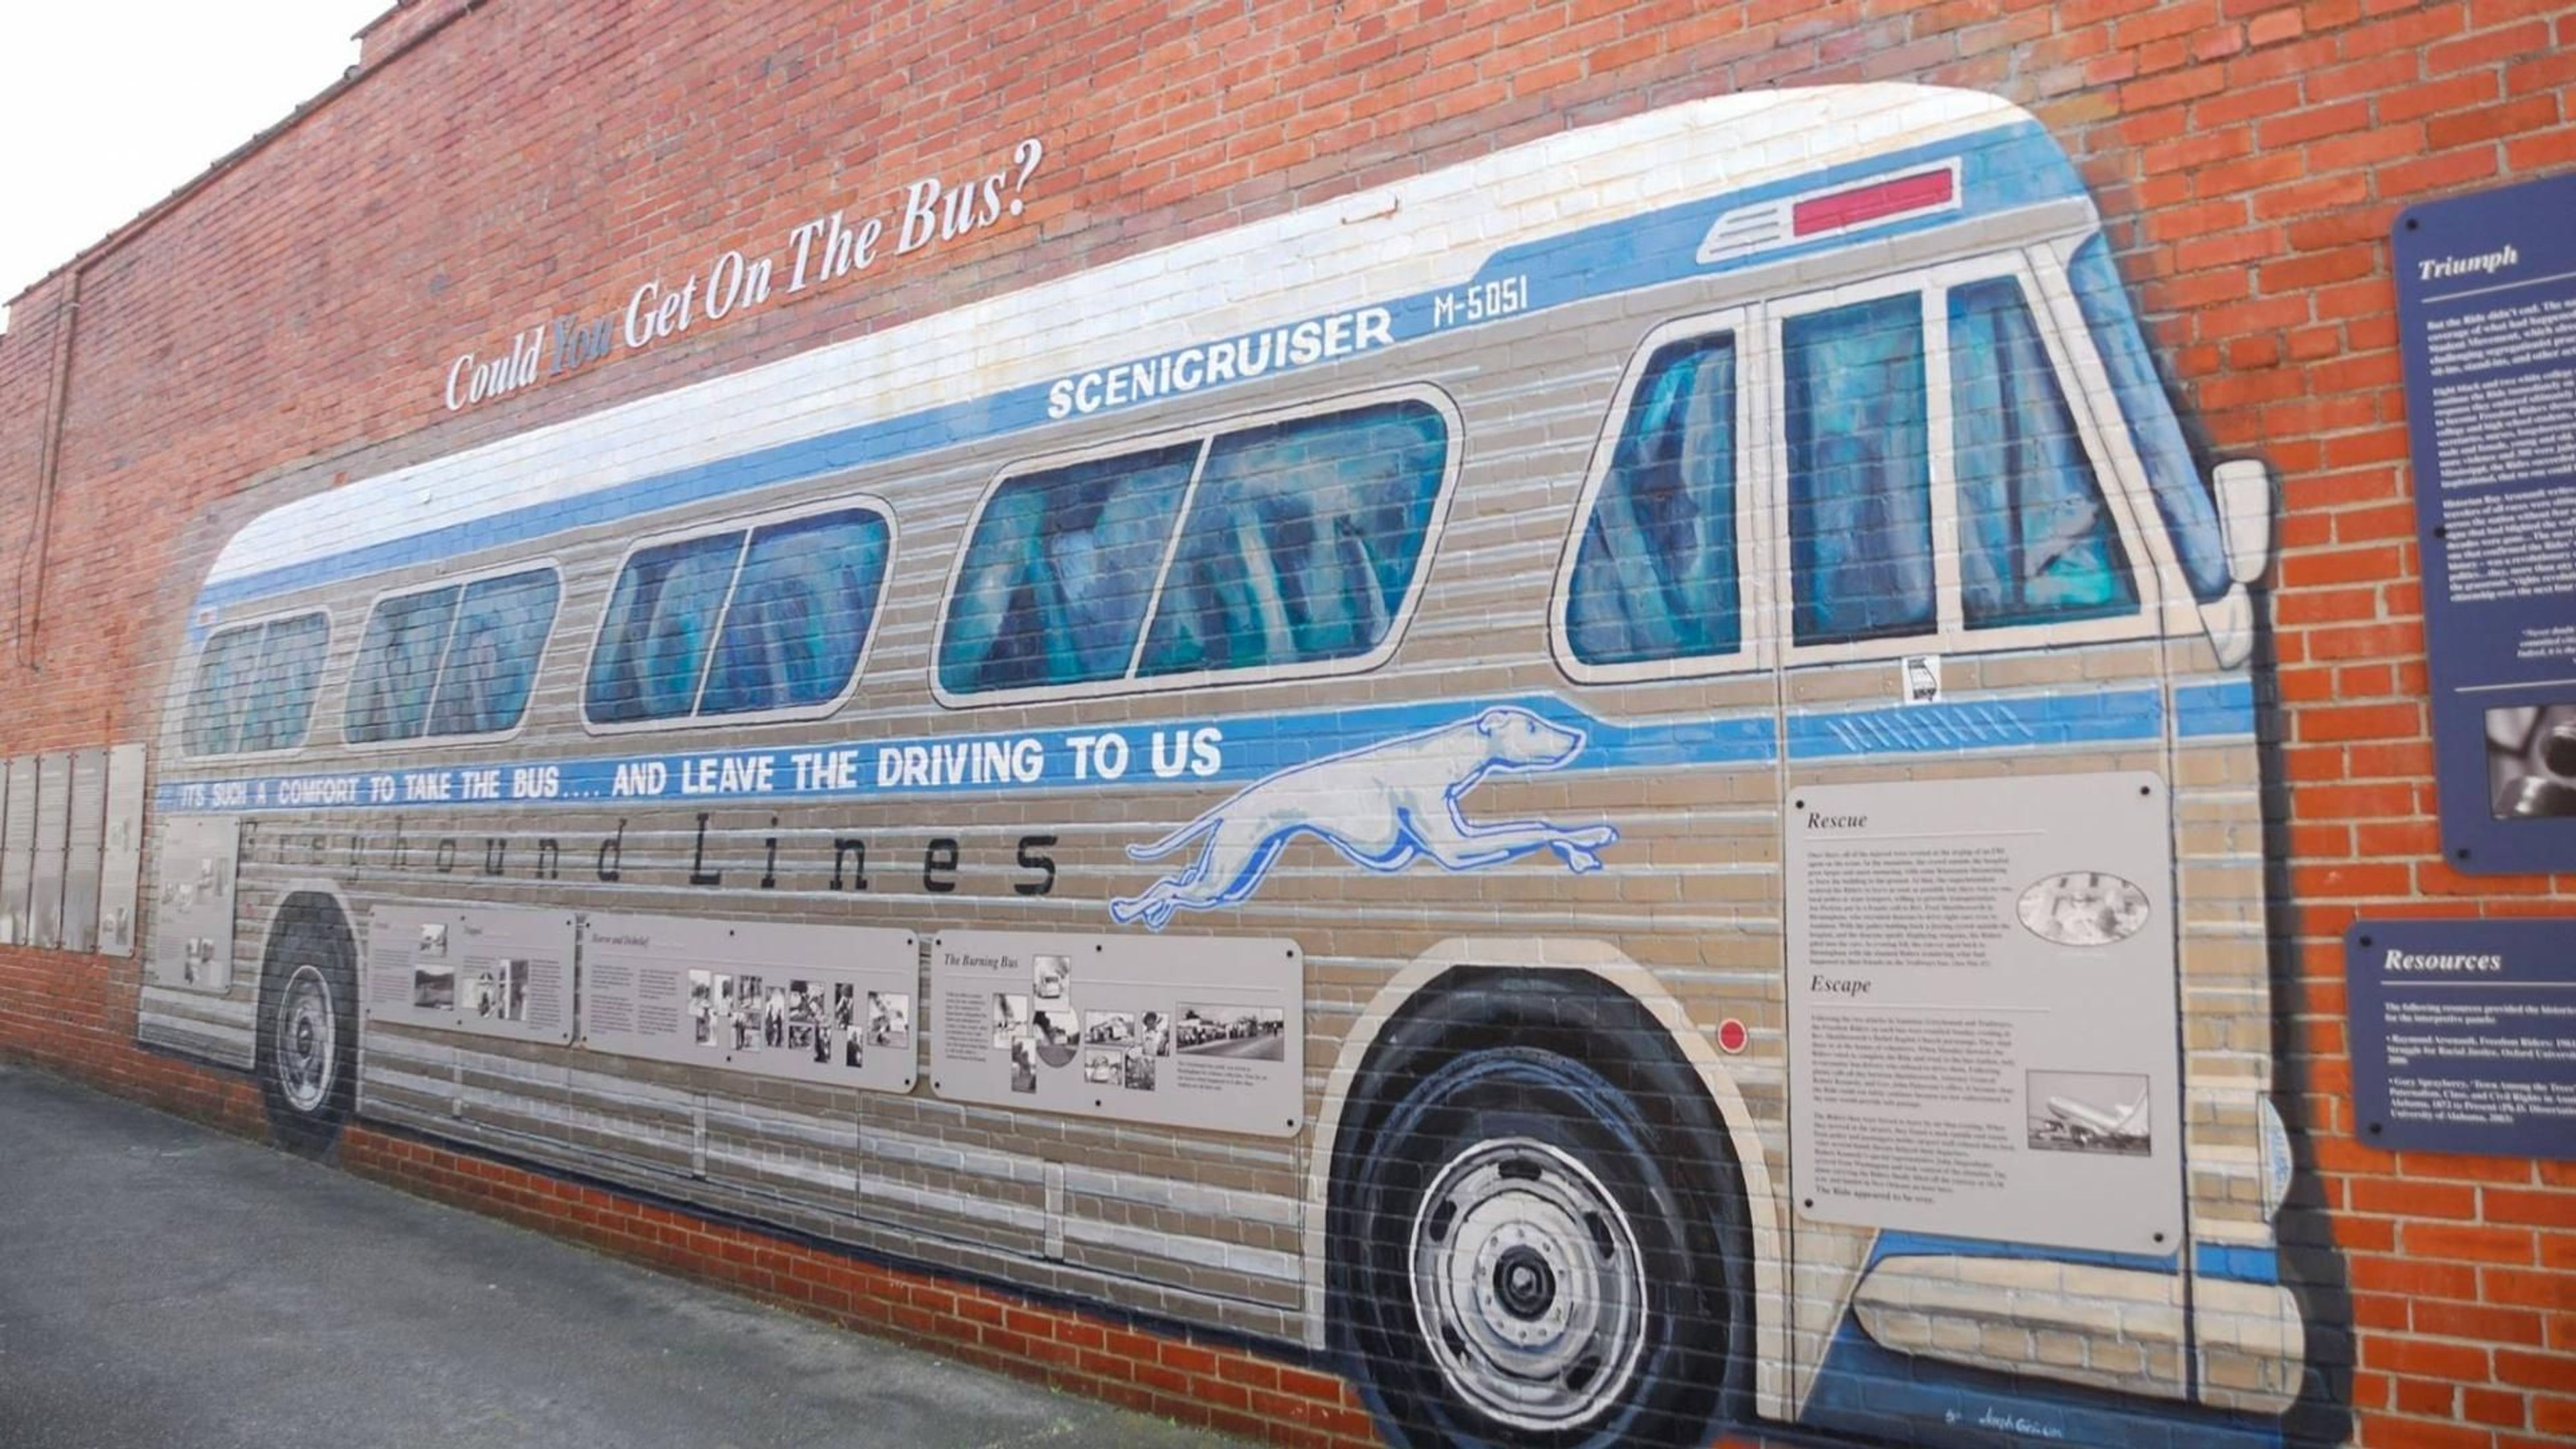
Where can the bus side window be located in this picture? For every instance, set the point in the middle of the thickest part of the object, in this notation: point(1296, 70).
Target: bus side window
point(1056, 580)
point(397, 665)
point(652, 649)
point(800, 613)
point(1302, 540)
point(281, 689)
point(215, 701)
point(1860, 479)
point(1656, 577)
point(2036, 543)
point(491, 660)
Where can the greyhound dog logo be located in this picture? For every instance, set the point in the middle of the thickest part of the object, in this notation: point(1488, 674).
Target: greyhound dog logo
point(1381, 806)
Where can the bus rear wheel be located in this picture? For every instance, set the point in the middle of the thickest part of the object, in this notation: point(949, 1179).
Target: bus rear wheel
point(1521, 1254)
point(308, 1033)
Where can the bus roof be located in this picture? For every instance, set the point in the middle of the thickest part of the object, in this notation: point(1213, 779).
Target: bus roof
point(1653, 197)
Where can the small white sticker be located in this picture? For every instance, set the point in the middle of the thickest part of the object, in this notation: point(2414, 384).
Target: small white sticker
point(1921, 679)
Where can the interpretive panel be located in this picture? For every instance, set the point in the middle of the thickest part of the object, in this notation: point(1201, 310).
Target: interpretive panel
point(84, 850)
point(1181, 1032)
point(1983, 1010)
point(2486, 307)
point(121, 858)
point(488, 970)
point(17, 848)
point(2464, 1035)
point(192, 909)
point(53, 839)
point(818, 1003)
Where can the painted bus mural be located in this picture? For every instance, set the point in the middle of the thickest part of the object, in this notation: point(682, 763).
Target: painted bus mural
point(1614, 789)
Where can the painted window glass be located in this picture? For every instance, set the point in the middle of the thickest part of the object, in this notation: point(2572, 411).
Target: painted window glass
point(2181, 497)
point(278, 698)
point(1656, 576)
point(1060, 572)
point(1860, 474)
point(254, 686)
point(800, 613)
point(491, 659)
point(652, 649)
point(2036, 544)
point(1302, 541)
point(397, 666)
point(214, 702)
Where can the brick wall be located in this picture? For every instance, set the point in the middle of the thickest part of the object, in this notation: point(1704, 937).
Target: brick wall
point(288, 322)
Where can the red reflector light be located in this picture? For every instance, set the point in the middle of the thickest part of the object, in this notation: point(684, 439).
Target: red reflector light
point(1870, 203)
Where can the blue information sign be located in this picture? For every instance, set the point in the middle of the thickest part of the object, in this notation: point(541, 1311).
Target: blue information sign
point(2463, 1035)
point(2486, 310)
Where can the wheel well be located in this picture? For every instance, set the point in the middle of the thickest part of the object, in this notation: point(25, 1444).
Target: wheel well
point(1446, 1001)
point(313, 913)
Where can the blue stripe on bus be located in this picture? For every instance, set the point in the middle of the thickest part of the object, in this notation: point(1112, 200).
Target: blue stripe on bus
point(2001, 169)
point(1249, 747)
point(2225, 707)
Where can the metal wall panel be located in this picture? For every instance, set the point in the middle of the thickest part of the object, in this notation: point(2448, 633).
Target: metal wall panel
point(53, 839)
point(84, 850)
point(121, 859)
point(18, 849)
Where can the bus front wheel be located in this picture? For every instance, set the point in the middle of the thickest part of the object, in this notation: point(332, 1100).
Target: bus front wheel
point(308, 1031)
point(1531, 1231)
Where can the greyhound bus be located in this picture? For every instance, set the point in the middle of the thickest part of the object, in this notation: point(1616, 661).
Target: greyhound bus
point(1613, 790)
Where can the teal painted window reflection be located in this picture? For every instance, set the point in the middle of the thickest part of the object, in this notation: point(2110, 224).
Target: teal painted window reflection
point(397, 666)
point(450, 661)
point(1657, 575)
point(653, 644)
point(2036, 544)
point(491, 660)
point(800, 614)
point(1860, 473)
point(254, 686)
point(2180, 494)
point(1060, 572)
point(740, 622)
point(1302, 541)
point(1287, 543)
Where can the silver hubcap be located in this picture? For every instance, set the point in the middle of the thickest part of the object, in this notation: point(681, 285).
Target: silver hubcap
point(308, 1048)
point(1529, 1285)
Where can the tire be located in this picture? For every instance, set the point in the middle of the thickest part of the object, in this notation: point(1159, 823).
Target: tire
point(1536, 1225)
point(308, 1029)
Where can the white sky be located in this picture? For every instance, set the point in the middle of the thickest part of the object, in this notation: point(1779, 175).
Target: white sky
point(107, 106)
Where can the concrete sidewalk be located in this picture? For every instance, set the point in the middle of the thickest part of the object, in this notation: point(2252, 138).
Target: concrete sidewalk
point(161, 1284)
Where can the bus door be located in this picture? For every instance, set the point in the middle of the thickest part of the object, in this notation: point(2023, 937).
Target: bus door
point(1976, 850)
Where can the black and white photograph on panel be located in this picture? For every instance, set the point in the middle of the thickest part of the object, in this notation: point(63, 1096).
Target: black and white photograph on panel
point(1137, 1069)
point(1052, 976)
point(1010, 1020)
point(1154, 1032)
point(1109, 1028)
point(501, 990)
point(1101, 1068)
point(1024, 1065)
point(889, 1019)
point(845, 1024)
point(1057, 1033)
point(2104, 1112)
point(433, 942)
point(433, 988)
point(705, 1019)
point(1245, 1033)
